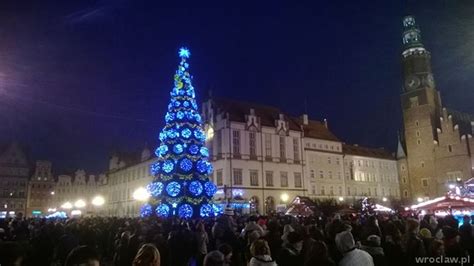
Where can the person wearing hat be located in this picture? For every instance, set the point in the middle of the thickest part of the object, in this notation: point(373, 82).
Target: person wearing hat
point(372, 246)
point(425, 235)
point(352, 256)
point(291, 253)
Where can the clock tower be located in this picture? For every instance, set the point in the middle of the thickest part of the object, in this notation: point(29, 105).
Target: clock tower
point(421, 106)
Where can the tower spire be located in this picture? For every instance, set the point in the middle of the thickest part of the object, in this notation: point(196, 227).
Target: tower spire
point(411, 33)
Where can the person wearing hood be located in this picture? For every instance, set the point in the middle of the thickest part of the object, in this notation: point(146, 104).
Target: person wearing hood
point(291, 253)
point(261, 254)
point(372, 246)
point(352, 256)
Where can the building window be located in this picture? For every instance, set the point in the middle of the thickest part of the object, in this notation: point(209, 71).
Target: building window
point(296, 150)
point(282, 148)
point(413, 101)
point(417, 123)
point(339, 175)
point(298, 181)
point(311, 173)
point(253, 143)
point(348, 191)
point(404, 180)
point(323, 192)
point(236, 142)
point(422, 164)
point(405, 193)
point(219, 141)
point(424, 182)
point(219, 177)
point(268, 145)
point(331, 191)
point(330, 174)
point(283, 179)
point(340, 191)
point(337, 161)
point(417, 133)
point(313, 189)
point(253, 177)
point(321, 174)
point(269, 178)
point(418, 141)
point(450, 148)
point(237, 176)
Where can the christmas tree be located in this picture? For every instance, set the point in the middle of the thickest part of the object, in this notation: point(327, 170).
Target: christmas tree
point(181, 185)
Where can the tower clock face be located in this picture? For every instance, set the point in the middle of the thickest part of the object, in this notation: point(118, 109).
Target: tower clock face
point(412, 82)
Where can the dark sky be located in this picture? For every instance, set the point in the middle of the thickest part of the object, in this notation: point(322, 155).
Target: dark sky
point(79, 79)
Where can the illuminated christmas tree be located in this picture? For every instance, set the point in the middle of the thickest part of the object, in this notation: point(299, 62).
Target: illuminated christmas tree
point(181, 185)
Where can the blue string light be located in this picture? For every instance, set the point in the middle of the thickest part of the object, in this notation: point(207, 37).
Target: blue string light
point(186, 165)
point(155, 168)
point(163, 210)
point(168, 166)
point(162, 150)
point(206, 210)
point(199, 135)
point(186, 133)
point(195, 187)
point(146, 210)
point(173, 189)
point(204, 151)
point(193, 149)
point(155, 188)
point(185, 211)
point(178, 148)
point(210, 188)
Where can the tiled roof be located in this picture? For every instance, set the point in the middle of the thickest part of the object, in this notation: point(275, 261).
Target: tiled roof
point(367, 152)
point(318, 130)
point(238, 110)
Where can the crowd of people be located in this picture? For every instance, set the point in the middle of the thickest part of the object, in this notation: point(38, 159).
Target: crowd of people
point(231, 240)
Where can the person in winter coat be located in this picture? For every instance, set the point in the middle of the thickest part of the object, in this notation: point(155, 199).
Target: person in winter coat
point(261, 254)
point(291, 255)
point(352, 256)
point(319, 255)
point(372, 246)
point(412, 245)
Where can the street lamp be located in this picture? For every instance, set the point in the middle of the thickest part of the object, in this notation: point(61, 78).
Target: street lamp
point(384, 199)
point(284, 197)
point(341, 199)
point(98, 201)
point(67, 205)
point(52, 193)
point(419, 200)
point(80, 204)
point(141, 194)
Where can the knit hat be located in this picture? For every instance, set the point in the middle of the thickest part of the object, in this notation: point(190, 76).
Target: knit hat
point(345, 241)
point(425, 233)
point(374, 240)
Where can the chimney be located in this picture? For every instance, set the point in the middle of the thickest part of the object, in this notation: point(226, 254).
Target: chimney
point(325, 122)
point(305, 119)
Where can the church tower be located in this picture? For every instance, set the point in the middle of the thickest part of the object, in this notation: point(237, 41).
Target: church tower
point(421, 106)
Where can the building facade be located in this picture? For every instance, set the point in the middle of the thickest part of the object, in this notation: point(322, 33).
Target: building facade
point(436, 144)
point(127, 173)
point(14, 173)
point(40, 190)
point(265, 158)
point(69, 189)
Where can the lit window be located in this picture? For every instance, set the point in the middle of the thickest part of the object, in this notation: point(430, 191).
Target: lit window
point(253, 177)
point(283, 179)
point(237, 176)
point(269, 178)
point(298, 181)
point(424, 182)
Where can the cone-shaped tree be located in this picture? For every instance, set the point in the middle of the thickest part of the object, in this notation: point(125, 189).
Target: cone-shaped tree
point(181, 185)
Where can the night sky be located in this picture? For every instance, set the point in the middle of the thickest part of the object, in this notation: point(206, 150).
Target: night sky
point(80, 79)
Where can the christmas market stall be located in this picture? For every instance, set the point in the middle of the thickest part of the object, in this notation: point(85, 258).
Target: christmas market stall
point(301, 206)
point(449, 204)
